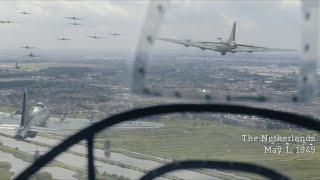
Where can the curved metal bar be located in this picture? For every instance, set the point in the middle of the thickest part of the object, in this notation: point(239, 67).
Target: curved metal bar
point(300, 120)
point(91, 167)
point(194, 164)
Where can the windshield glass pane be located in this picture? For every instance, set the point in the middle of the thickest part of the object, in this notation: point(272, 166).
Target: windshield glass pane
point(66, 65)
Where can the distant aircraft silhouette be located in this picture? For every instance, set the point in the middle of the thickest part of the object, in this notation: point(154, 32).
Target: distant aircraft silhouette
point(73, 18)
point(27, 47)
point(25, 13)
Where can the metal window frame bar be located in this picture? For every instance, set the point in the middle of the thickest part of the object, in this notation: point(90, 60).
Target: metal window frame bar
point(221, 165)
point(89, 132)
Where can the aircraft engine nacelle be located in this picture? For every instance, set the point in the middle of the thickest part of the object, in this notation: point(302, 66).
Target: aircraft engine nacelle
point(249, 51)
point(24, 133)
point(18, 137)
point(233, 43)
point(32, 134)
point(21, 134)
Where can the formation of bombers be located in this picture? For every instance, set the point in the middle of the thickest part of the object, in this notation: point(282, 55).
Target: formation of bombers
point(75, 21)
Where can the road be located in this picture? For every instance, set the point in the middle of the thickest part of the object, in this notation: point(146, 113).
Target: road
point(81, 161)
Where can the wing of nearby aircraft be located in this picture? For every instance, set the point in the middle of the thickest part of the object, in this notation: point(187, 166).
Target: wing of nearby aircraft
point(204, 45)
point(35, 129)
point(9, 126)
point(188, 43)
point(49, 130)
point(250, 48)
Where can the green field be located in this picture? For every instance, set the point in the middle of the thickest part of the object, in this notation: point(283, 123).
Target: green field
point(5, 170)
point(198, 139)
point(6, 174)
point(36, 66)
point(80, 173)
point(8, 109)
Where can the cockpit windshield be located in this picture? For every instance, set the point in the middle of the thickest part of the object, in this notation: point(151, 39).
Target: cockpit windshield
point(160, 83)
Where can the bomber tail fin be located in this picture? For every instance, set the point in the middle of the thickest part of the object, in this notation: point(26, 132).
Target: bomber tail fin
point(233, 33)
point(24, 110)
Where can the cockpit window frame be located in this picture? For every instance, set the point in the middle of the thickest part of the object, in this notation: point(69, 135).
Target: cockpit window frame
point(90, 132)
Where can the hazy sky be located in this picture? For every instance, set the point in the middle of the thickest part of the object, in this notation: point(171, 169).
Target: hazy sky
point(264, 23)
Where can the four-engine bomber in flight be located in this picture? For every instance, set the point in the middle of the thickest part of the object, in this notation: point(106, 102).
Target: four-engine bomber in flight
point(7, 22)
point(95, 37)
point(25, 13)
point(73, 18)
point(223, 47)
point(27, 47)
point(31, 122)
point(64, 39)
point(115, 34)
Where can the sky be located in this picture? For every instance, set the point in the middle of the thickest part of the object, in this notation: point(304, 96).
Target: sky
point(264, 23)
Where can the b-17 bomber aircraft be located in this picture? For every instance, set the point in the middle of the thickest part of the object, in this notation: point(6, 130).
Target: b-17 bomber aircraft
point(64, 39)
point(7, 22)
point(36, 119)
point(25, 13)
point(31, 122)
point(222, 46)
point(95, 37)
point(115, 34)
point(75, 24)
point(73, 18)
point(27, 47)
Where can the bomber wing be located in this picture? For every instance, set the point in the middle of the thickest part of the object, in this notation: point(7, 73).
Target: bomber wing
point(49, 130)
point(36, 129)
point(9, 126)
point(187, 43)
point(250, 48)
